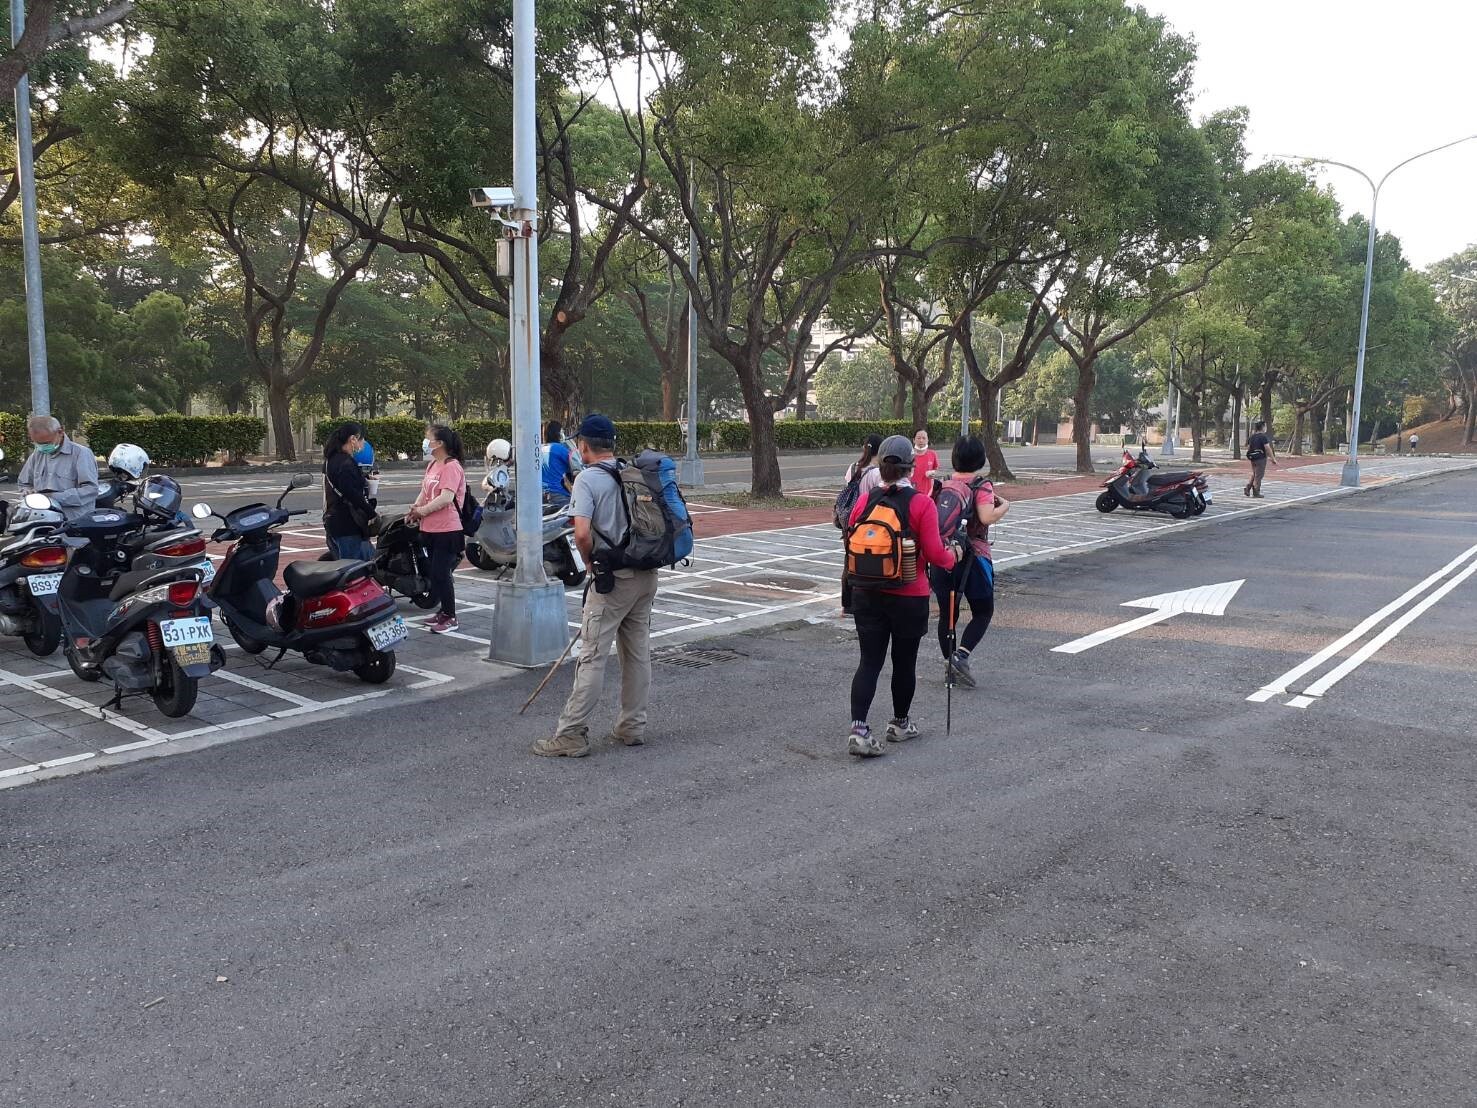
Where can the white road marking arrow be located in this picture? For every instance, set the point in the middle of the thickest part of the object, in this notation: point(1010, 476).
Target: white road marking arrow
point(1207, 600)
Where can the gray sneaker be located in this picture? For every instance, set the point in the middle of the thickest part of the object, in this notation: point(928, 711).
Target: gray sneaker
point(901, 730)
point(863, 743)
point(962, 676)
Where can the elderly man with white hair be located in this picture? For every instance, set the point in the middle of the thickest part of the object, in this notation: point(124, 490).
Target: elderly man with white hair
point(60, 468)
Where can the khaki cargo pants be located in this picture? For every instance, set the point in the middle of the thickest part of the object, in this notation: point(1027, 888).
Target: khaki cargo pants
point(622, 616)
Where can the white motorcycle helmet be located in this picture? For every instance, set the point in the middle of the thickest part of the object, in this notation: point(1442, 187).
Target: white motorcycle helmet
point(499, 451)
point(128, 460)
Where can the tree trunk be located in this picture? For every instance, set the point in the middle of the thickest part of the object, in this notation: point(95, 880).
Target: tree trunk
point(1082, 416)
point(920, 406)
point(279, 404)
point(1471, 432)
point(1319, 420)
point(765, 480)
point(561, 387)
point(1297, 433)
point(670, 371)
point(1035, 428)
point(1266, 402)
point(900, 398)
point(999, 470)
point(1197, 430)
point(800, 397)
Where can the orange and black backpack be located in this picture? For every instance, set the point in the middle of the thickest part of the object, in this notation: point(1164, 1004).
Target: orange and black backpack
point(881, 551)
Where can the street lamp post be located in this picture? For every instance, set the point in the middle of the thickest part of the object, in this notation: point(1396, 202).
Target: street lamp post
point(1350, 475)
point(30, 237)
point(529, 624)
point(690, 473)
point(964, 402)
point(1171, 431)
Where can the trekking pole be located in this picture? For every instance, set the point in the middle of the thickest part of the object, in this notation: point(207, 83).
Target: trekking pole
point(949, 668)
point(548, 676)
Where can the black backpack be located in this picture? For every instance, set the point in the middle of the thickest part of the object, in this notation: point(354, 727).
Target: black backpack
point(468, 509)
point(846, 500)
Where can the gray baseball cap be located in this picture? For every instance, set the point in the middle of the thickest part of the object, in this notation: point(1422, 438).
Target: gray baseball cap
point(895, 448)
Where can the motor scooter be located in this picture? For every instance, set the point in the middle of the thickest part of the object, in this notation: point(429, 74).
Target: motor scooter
point(1180, 494)
point(147, 630)
point(495, 545)
point(31, 561)
point(402, 564)
point(333, 613)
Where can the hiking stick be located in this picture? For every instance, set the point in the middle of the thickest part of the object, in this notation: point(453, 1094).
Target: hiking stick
point(949, 669)
point(573, 639)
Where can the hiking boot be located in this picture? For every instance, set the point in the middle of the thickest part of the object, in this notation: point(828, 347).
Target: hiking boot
point(562, 746)
point(901, 730)
point(962, 676)
point(863, 743)
point(442, 624)
point(627, 740)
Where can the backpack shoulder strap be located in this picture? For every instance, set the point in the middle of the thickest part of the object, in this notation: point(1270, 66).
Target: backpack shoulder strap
point(613, 469)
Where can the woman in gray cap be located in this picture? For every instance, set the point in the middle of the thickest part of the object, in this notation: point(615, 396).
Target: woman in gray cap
point(895, 615)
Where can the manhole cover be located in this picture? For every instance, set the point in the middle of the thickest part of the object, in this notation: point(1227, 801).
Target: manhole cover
point(693, 657)
point(780, 582)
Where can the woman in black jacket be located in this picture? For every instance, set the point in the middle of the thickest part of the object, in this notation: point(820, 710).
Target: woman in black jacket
point(347, 505)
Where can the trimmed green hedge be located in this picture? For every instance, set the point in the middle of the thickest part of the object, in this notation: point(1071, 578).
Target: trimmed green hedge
point(403, 434)
point(177, 439)
point(17, 443)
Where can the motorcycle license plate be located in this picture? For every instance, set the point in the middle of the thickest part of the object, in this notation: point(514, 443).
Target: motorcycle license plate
point(186, 632)
point(207, 567)
point(44, 584)
point(195, 654)
point(382, 636)
point(1205, 495)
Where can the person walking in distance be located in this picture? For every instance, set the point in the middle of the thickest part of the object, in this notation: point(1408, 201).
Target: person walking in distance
point(896, 615)
point(437, 509)
point(866, 466)
point(617, 610)
point(1259, 448)
point(1415, 441)
point(974, 580)
point(925, 462)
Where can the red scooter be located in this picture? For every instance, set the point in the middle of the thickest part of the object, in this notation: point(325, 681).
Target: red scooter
point(1181, 494)
point(333, 613)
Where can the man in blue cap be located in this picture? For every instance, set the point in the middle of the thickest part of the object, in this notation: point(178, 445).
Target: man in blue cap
point(617, 608)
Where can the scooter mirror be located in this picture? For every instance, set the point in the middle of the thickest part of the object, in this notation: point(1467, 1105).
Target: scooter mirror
point(300, 480)
point(201, 511)
point(37, 502)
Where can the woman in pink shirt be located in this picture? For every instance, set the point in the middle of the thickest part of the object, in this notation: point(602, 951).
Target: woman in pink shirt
point(437, 509)
point(925, 461)
point(974, 583)
point(896, 616)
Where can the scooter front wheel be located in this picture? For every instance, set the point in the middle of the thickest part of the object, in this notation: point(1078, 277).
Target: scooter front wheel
point(175, 693)
point(424, 600)
point(379, 669)
point(47, 636)
point(84, 674)
point(1106, 502)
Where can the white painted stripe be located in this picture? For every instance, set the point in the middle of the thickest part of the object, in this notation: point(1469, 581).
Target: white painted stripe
point(1380, 641)
point(1117, 631)
point(1280, 685)
point(1300, 702)
point(262, 686)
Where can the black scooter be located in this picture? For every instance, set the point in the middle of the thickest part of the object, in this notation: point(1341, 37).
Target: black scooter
point(401, 563)
point(147, 630)
point(333, 612)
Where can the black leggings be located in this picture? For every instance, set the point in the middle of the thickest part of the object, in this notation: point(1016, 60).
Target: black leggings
point(883, 618)
point(445, 548)
point(981, 608)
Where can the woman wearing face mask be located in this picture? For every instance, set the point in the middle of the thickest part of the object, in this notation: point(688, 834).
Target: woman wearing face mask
point(437, 509)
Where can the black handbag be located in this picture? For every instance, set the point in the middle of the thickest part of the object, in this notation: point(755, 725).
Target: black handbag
point(369, 525)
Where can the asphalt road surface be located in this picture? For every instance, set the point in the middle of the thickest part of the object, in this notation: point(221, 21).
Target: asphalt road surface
point(1118, 881)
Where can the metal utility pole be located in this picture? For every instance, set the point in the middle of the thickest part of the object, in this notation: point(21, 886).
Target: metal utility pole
point(30, 237)
point(690, 472)
point(1350, 475)
point(1167, 449)
point(529, 626)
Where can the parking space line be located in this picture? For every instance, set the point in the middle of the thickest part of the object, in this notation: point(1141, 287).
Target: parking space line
point(262, 686)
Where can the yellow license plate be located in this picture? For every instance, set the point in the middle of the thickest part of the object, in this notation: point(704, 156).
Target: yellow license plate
point(193, 654)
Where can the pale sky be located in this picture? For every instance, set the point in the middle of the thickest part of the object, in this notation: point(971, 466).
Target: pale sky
point(1368, 82)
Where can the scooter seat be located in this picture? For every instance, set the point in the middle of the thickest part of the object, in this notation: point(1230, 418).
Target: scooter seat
point(1168, 478)
point(305, 579)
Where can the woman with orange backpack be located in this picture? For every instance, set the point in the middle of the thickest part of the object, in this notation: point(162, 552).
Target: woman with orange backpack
point(893, 536)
